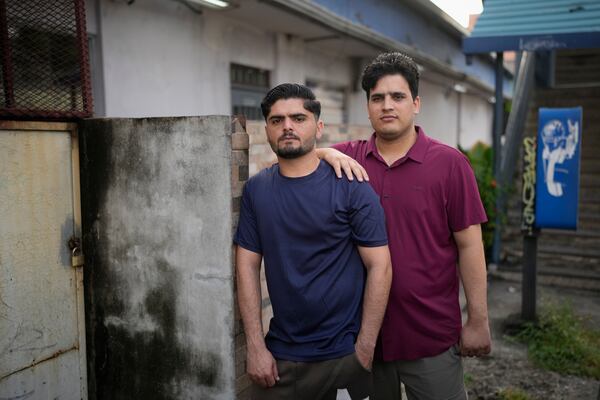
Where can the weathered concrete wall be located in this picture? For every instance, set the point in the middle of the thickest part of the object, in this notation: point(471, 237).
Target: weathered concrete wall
point(157, 200)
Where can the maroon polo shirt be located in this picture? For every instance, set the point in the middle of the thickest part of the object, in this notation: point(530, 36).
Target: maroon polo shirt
point(426, 195)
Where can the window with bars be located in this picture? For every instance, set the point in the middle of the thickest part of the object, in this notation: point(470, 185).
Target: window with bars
point(44, 64)
point(248, 87)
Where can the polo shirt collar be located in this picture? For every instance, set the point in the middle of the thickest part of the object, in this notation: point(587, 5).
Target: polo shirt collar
point(416, 152)
point(371, 146)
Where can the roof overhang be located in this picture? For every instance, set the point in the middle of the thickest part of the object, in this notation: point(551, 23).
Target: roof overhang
point(534, 25)
point(339, 25)
point(486, 44)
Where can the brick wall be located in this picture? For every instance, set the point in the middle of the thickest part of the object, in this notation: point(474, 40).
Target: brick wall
point(239, 176)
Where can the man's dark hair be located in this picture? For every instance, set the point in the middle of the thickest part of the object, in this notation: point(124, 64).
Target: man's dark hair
point(291, 91)
point(391, 63)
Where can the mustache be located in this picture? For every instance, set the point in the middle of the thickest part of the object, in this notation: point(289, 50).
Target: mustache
point(286, 136)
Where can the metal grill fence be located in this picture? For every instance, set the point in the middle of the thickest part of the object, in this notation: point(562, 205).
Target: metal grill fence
point(44, 60)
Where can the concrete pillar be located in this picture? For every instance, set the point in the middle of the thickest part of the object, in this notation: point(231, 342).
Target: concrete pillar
point(160, 198)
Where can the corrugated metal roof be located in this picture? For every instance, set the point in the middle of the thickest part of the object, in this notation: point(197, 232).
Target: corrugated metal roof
point(535, 24)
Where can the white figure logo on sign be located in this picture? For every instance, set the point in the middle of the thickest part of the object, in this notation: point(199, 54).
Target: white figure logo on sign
point(559, 145)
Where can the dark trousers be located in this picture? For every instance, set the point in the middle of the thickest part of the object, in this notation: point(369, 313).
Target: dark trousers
point(318, 380)
point(429, 378)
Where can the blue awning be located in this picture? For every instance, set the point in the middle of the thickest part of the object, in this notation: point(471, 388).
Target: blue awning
point(530, 25)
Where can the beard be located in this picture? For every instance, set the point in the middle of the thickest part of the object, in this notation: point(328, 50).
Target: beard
point(289, 151)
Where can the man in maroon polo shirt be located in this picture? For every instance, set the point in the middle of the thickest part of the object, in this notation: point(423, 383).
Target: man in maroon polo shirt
point(433, 215)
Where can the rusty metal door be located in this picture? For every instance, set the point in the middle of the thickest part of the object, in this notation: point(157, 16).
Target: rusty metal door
point(42, 333)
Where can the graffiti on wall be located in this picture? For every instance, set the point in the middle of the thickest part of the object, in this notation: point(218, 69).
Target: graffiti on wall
point(529, 176)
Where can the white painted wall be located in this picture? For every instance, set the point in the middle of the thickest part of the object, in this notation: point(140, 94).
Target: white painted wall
point(245, 44)
point(477, 121)
point(162, 59)
point(439, 112)
point(289, 64)
point(326, 67)
point(91, 17)
point(454, 118)
point(357, 109)
point(154, 60)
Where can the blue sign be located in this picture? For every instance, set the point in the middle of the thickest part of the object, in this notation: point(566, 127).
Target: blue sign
point(557, 169)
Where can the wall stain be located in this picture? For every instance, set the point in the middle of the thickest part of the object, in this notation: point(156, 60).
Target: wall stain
point(151, 365)
point(124, 363)
point(20, 397)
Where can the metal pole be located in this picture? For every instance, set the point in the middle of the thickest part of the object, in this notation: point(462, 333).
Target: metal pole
point(530, 233)
point(528, 290)
point(518, 58)
point(515, 126)
point(498, 128)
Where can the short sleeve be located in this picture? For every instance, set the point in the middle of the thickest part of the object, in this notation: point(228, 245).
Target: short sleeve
point(356, 149)
point(367, 218)
point(247, 235)
point(344, 147)
point(464, 205)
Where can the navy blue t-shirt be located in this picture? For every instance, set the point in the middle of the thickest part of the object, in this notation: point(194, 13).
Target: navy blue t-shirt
point(307, 230)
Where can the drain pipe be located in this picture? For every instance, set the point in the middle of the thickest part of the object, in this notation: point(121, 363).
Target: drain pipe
point(496, 142)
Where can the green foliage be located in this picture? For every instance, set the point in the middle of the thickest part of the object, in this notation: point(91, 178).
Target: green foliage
point(481, 157)
point(468, 378)
point(513, 394)
point(560, 342)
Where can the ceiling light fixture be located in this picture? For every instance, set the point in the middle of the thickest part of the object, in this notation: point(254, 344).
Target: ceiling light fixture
point(459, 88)
point(214, 4)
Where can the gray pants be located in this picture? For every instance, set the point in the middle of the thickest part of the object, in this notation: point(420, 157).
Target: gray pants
point(318, 380)
point(431, 378)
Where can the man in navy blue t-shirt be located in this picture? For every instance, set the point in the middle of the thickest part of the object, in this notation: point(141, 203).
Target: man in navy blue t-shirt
point(326, 258)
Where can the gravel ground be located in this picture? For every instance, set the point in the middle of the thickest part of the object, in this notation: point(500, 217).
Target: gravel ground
point(508, 367)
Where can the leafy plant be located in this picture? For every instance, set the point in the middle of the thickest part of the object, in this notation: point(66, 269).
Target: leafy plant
point(481, 157)
point(560, 342)
point(513, 394)
point(468, 378)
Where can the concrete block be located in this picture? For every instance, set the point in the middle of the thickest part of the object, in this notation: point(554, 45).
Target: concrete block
point(157, 218)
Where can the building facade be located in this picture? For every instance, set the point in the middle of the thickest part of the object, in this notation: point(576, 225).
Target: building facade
point(176, 58)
